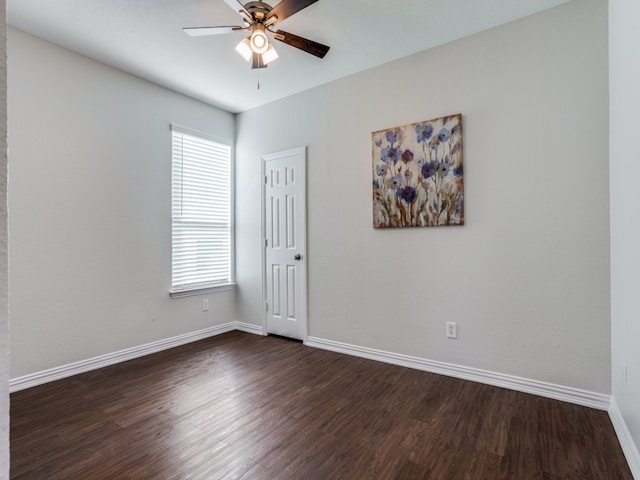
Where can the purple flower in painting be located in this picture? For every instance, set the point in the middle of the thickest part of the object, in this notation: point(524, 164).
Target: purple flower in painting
point(407, 156)
point(408, 194)
point(429, 169)
point(424, 132)
point(392, 136)
point(390, 155)
point(444, 134)
point(434, 142)
point(458, 171)
point(396, 182)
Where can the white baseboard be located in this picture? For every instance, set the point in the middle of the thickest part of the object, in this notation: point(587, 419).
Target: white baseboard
point(57, 373)
point(626, 441)
point(558, 392)
point(549, 390)
point(249, 328)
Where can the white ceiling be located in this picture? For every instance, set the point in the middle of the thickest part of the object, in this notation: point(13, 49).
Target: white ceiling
point(144, 37)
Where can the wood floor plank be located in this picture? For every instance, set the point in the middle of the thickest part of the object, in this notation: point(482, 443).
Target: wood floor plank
point(244, 407)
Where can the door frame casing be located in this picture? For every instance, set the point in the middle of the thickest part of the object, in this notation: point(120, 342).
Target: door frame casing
point(303, 240)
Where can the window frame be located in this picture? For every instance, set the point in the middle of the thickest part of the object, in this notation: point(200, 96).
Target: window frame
point(194, 289)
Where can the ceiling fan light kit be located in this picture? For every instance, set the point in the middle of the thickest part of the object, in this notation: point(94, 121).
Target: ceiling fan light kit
point(260, 18)
point(265, 56)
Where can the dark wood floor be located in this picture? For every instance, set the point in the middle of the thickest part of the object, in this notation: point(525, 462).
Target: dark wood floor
point(240, 406)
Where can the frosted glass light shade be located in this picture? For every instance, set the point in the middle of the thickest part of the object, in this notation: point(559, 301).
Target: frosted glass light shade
point(244, 49)
point(270, 55)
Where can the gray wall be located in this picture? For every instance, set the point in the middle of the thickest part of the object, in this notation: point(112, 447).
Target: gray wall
point(4, 313)
point(90, 208)
point(527, 277)
point(625, 221)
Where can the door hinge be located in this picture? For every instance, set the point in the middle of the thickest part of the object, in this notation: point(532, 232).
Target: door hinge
point(266, 179)
point(266, 242)
point(266, 306)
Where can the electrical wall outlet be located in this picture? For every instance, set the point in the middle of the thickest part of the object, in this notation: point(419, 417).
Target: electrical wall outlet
point(452, 330)
point(205, 305)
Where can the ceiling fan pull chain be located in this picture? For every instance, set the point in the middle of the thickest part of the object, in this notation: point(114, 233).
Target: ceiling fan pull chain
point(258, 79)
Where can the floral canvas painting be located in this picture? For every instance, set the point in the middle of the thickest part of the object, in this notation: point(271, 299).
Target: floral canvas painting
point(418, 174)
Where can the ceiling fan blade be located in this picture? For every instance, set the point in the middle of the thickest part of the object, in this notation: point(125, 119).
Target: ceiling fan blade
point(200, 31)
point(286, 8)
point(237, 6)
point(309, 46)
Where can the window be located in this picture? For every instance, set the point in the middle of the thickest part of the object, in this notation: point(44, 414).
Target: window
point(201, 229)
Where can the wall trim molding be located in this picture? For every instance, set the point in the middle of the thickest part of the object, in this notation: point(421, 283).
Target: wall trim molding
point(249, 328)
point(626, 440)
point(82, 366)
point(558, 392)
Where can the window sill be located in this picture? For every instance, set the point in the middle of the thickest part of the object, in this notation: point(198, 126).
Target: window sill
point(201, 290)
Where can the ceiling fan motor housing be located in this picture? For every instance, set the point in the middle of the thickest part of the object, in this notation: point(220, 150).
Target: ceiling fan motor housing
point(258, 10)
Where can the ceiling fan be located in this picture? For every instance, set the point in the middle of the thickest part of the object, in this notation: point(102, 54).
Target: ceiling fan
point(259, 19)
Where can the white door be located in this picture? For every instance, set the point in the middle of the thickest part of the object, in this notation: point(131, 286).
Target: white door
point(284, 228)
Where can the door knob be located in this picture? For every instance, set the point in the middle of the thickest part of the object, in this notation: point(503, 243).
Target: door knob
point(297, 256)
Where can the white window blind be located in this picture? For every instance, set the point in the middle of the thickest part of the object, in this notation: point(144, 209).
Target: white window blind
point(201, 213)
